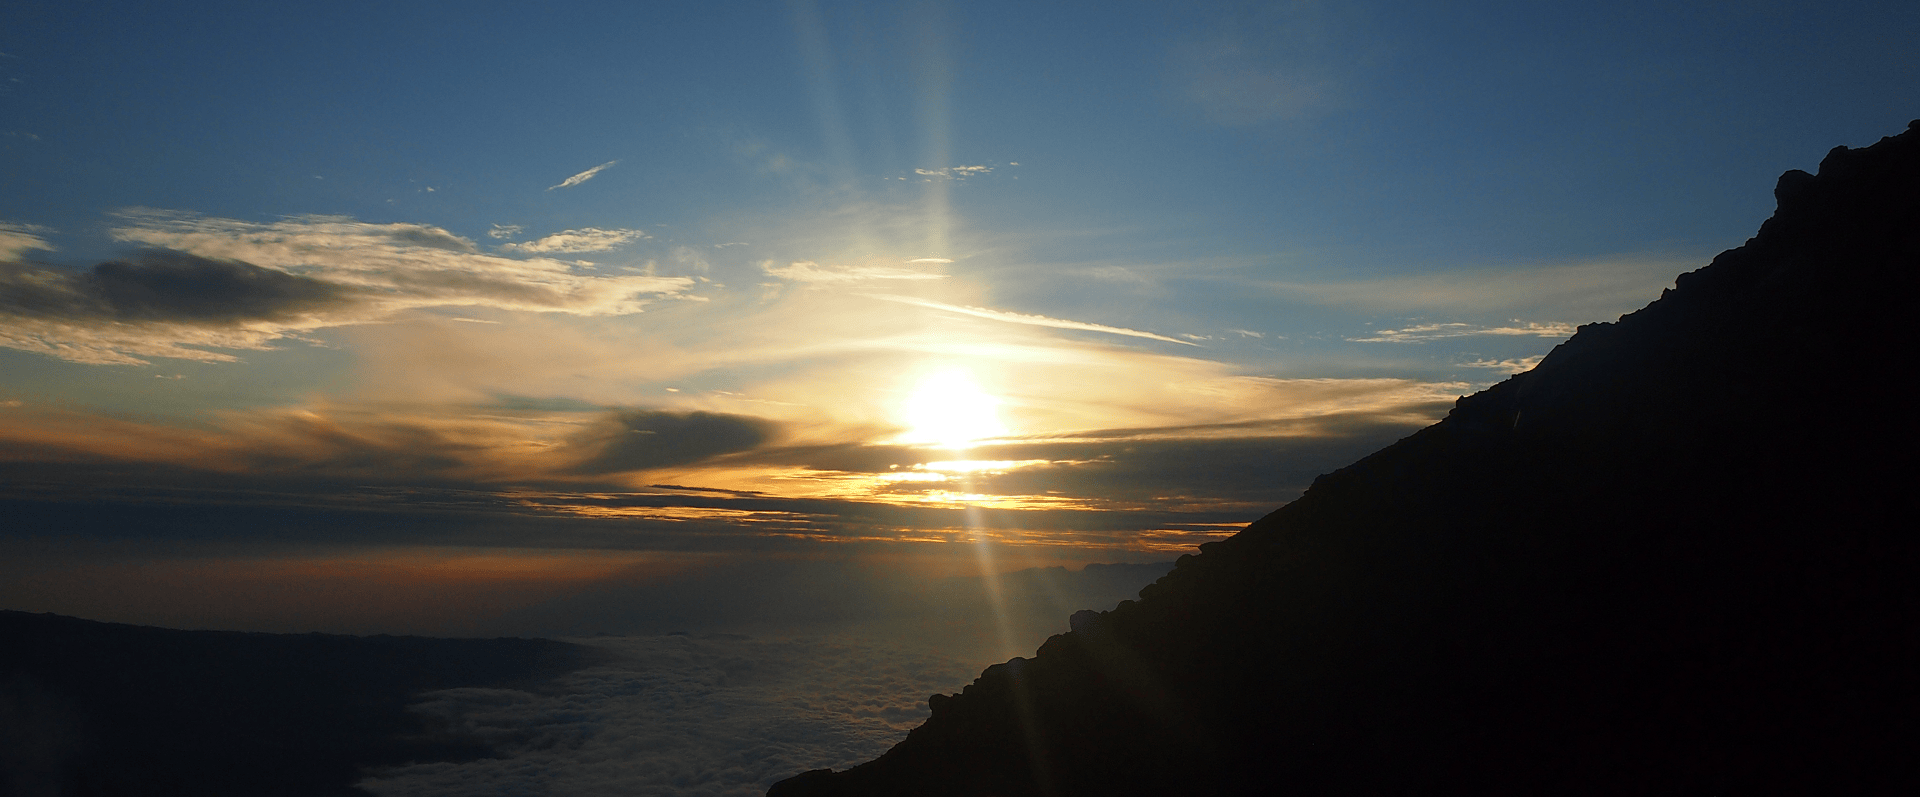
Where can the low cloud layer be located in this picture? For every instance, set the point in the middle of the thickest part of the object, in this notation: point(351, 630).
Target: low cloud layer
point(851, 655)
point(208, 284)
point(686, 715)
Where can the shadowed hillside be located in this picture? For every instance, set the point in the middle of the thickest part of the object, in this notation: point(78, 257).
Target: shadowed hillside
point(1673, 558)
point(91, 708)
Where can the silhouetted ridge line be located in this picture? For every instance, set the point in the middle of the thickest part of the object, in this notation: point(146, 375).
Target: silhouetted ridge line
point(1675, 557)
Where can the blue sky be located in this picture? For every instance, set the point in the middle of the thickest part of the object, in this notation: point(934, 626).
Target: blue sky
point(542, 298)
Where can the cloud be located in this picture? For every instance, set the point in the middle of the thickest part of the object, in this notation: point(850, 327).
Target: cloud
point(1022, 318)
point(17, 239)
point(861, 646)
point(930, 260)
point(1508, 366)
point(505, 476)
point(583, 176)
point(809, 271)
point(953, 172)
point(241, 285)
point(648, 439)
point(160, 304)
point(680, 714)
point(505, 231)
point(589, 239)
point(1426, 332)
point(167, 287)
point(1593, 290)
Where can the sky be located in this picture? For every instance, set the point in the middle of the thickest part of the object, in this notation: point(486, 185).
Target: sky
point(454, 318)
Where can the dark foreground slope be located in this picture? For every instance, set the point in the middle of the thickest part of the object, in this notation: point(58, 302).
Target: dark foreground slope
point(92, 708)
point(1678, 557)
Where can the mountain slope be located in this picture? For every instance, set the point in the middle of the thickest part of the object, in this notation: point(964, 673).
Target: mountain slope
point(1671, 558)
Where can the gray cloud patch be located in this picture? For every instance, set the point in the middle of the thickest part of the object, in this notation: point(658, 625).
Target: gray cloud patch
point(166, 287)
point(645, 439)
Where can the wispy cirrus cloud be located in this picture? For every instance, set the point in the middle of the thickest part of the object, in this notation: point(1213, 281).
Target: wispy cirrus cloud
point(583, 176)
point(17, 239)
point(402, 265)
point(1595, 290)
point(586, 239)
point(232, 284)
point(809, 271)
point(1513, 366)
point(1455, 329)
point(952, 172)
point(1023, 318)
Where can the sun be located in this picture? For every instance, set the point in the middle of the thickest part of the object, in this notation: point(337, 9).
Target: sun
point(947, 408)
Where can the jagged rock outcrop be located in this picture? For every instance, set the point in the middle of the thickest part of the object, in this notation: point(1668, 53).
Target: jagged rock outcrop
point(1672, 558)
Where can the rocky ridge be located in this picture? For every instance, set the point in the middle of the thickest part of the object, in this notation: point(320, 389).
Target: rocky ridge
point(1670, 558)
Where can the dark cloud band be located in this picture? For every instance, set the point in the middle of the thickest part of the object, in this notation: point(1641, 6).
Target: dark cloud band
point(166, 287)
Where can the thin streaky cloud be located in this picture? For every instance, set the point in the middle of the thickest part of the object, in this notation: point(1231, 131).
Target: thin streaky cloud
point(952, 172)
point(1508, 366)
point(930, 260)
point(17, 239)
point(809, 271)
point(583, 176)
point(1023, 318)
point(587, 239)
point(1425, 332)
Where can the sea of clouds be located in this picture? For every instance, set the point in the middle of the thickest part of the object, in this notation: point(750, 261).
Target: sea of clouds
point(819, 679)
point(687, 715)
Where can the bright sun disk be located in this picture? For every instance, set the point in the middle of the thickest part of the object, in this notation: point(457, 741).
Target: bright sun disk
point(949, 409)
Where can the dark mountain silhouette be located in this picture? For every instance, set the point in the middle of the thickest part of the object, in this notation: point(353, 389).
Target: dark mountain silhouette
point(1672, 559)
point(91, 708)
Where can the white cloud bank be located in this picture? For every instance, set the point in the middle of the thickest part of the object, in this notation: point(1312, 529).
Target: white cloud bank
point(680, 715)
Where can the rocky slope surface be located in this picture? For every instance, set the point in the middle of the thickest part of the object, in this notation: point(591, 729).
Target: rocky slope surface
point(1672, 558)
